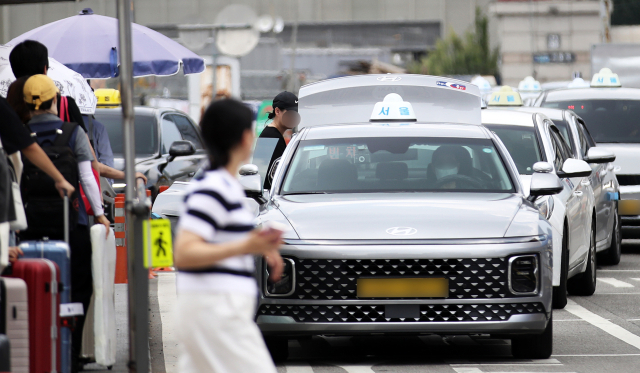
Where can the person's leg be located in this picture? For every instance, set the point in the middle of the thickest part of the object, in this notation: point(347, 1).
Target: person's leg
point(81, 281)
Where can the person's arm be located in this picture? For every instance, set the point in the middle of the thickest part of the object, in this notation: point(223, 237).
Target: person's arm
point(92, 192)
point(112, 173)
point(193, 252)
point(39, 158)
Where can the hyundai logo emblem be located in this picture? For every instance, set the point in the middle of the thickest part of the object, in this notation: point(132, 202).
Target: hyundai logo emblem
point(389, 78)
point(402, 231)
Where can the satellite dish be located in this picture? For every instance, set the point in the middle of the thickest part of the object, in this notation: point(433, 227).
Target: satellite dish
point(279, 25)
point(234, 41)
point(264, 24)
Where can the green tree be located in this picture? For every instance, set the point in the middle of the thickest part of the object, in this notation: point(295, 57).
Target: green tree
point(454, 55)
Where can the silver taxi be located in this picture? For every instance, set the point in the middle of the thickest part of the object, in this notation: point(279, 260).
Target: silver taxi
point(401, 220)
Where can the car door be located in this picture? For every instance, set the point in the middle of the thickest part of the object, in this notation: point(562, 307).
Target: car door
point(575, 203)
point(189, 131)
point(602, 182)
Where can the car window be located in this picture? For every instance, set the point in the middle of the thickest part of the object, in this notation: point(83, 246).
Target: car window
point(563, 127)
point(187, 129)
point(584, 141)
point(560, 154)
point(609, 121)
point(397, 164)
point(146, 132)
point(522, 144)
point(170, 133)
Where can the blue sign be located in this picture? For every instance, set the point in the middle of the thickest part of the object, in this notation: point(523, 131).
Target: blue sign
point(404, 111)
point(383, 111)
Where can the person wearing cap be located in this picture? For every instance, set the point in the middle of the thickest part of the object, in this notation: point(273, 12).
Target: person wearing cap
point(40, 94)
point(285, 117)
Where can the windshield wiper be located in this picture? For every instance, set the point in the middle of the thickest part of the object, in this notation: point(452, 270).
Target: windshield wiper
point(301, 193)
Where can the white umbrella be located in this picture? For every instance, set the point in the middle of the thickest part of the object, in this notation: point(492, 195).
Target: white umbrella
point(69, 82)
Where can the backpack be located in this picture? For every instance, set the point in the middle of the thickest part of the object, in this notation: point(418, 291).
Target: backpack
point(42, 203)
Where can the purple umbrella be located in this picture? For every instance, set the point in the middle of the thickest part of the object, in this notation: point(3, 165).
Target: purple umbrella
point(87, 43)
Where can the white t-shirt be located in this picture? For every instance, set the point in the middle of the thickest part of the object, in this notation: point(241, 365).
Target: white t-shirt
point(215, 210)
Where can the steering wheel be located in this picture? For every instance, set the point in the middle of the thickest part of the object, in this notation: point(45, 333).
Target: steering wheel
point(461, 181)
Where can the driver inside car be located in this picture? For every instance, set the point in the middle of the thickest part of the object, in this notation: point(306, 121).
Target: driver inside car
point(452, 168)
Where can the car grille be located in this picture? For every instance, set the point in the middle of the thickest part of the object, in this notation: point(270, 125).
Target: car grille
point(628, 179)
point(336, 279)
point(376, 313)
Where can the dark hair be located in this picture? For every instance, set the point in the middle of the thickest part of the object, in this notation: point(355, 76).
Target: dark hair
point(222, 127)
point(29, 58)
point(15, 98)
point(43, 106)
point(272, 114)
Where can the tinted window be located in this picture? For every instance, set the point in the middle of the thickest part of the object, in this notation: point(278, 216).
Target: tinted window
point(522, 144)
point(560, 155)
point(609, 121)
point(187, 130)
point(146, 132)
point(262, 154)
point(562, 126)
point(397, 164)
point(170, 133)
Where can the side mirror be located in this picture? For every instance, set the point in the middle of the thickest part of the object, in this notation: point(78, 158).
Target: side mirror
point(251, 182)
point(575, 168)
point(599, 155)
point(544, 182)
point(181, 148)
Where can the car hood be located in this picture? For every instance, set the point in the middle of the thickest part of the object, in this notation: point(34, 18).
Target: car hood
point(627, 156)
point(379, 216)
point(118, 163)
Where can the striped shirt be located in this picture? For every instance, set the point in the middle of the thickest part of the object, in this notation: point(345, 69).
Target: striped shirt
point(215, 210)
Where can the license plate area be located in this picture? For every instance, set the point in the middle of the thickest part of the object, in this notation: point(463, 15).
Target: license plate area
point(403, 287)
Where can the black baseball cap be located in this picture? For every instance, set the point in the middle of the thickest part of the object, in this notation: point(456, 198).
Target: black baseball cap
point(285, 101)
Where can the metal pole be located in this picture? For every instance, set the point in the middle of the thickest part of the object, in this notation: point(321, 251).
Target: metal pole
point(138, 281)
point(294, 46)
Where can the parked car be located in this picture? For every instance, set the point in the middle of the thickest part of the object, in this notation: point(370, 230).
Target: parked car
point(168, 145)
point(603, 180)
point(532, 140)
point(371, 212)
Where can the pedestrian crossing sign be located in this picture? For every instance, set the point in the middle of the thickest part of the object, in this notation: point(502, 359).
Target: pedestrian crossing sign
point(157, 243)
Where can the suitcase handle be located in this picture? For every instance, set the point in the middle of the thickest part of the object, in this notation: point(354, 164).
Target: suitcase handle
point(66, 218)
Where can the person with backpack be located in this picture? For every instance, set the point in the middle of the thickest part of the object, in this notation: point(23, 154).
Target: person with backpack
point(69, 149)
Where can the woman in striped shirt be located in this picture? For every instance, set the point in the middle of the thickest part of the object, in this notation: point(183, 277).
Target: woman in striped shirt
point(215, 248)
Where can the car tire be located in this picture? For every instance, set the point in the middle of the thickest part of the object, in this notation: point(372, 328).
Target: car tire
point(538, 346)
point(585, 283)
point(612, 255)
point(278, 348)
point(560, 292)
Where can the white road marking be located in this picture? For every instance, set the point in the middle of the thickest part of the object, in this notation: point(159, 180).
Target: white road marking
point(568, 320)
point(635, 279)
point(357, 368)
point(603, 324)
point(509, 362)
point(618, 270)
point(467, 370)
point(615, 282)
point(299, 367)
point(166, 303)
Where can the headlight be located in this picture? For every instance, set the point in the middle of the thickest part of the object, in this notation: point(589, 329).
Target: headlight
point(523, 274)
point(545, 206)
point(286, 285)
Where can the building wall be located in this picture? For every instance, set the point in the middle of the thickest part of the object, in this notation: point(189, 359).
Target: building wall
point(454, 15)
point(524, 26)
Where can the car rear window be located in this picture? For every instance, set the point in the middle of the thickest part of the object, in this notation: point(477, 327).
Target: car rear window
point(146, 133)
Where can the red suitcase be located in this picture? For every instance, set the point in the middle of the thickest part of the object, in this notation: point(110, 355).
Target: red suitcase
point(42, 277)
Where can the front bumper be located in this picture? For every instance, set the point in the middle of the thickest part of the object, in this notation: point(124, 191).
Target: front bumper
point(312, 312)
point(630, 224)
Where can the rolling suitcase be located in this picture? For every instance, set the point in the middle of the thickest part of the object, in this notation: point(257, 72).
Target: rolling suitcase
point(103, 265)
point(5, 354)
point(14, 321)
point(57, 252)
point(42, 277)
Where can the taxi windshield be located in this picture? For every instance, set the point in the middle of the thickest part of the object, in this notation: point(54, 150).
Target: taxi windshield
point(397, 164)
point(522, 144)
point(608, 121)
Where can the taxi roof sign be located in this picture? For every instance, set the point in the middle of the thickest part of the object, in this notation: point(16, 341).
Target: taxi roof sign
point(605, 78)
point(393, 107)
point(578, 83)
point(506, 96)
point(108, 98)
point(482, 83)
point(529, 84)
